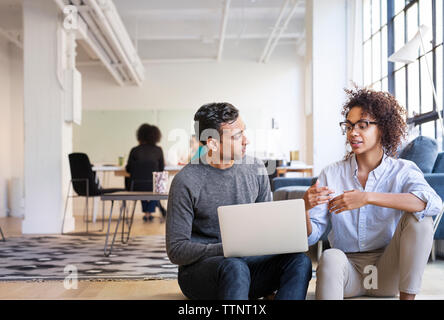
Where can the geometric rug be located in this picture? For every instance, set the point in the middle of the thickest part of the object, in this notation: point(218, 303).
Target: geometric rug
point(30, 257)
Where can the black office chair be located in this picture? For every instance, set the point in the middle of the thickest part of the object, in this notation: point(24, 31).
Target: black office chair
point(85, 184)
point(3, 237)
point(141, 179)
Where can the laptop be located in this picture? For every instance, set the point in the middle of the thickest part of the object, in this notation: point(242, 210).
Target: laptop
point(263, 228)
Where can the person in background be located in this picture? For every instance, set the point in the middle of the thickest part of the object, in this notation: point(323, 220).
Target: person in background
point(143, 160)
point(197, 149)
point(194, 151)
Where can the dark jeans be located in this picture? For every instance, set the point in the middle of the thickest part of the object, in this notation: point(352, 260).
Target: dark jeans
point(247, 277)
point(149, 206)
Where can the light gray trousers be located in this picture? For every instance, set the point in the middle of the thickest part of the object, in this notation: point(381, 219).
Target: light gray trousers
point(385, 272)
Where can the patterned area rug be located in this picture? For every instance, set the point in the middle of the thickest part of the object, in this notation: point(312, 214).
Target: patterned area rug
point(45, 258)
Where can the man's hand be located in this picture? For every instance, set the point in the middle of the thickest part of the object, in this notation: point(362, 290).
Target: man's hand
point(316, 195)
point(349, 200)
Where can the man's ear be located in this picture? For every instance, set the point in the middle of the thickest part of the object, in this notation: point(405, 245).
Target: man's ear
point(212, 144)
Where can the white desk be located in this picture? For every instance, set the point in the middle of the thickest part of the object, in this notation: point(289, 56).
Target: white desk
point(120, 171)
point(107, 168)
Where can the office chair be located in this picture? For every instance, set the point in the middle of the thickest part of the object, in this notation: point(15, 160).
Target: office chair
point(85, 184)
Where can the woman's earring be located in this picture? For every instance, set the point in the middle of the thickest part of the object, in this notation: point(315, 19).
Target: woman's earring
point(348, 147)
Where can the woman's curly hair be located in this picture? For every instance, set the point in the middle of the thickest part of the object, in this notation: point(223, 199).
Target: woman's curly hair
point(148, 134)
point(386, 111)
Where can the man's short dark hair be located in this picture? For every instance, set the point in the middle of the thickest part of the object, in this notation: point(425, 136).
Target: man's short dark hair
point(148, 134)
point(211, 116)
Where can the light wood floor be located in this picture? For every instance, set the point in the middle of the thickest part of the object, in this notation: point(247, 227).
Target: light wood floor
point(134, 290)
point(433, 279)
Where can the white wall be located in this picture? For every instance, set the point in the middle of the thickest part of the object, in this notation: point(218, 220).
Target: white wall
point(175, 91)
point(5, 127)
point(308, 81)
point(329, 50)
point(11, 129)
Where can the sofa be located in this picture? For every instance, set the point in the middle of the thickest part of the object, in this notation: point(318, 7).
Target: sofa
point(422, 150)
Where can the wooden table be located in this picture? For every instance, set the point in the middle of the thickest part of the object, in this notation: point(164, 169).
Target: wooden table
point(304, 169)
point(121, 171)
point(125, 196)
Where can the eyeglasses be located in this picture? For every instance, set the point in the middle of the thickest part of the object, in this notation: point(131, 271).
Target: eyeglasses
point(348, 126)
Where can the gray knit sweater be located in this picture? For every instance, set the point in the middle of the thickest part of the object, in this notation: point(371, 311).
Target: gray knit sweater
point(192, 225)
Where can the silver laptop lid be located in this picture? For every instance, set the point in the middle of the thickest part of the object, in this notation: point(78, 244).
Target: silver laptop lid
point(263, 228)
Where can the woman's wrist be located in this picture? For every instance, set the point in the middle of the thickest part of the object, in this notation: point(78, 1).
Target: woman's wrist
point(369, 197)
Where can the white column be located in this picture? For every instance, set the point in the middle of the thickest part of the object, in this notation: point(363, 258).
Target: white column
point(16, 154)
point(5, 126)
point(48, 139)
point(329, 78)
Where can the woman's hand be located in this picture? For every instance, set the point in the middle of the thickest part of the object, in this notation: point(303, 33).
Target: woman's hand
point(316, 195)
point(349, 200)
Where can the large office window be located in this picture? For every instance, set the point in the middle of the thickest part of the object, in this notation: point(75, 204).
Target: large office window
point(375, 44)
point(387, 26)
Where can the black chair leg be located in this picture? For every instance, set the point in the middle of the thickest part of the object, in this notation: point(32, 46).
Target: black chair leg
point(86, 210)
point(162, 209)
point(87, 214)
point(66, 206)
point(3, 236)
point(103, 215)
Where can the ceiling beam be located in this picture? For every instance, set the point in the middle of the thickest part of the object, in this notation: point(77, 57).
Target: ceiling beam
point(274, 30)
point(100, 52)
point(153, 61)
point(204, 38)
point(105, 26)
point(223, 29)
point(88, 40)
point(86, 16)
point(279, 29)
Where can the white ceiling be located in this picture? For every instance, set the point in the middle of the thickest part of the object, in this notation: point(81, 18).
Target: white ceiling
point(183, 29)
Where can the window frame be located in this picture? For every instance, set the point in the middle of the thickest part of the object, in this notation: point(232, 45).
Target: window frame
point(422, 117)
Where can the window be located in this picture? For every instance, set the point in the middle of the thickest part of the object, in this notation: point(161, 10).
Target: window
point(387, 26)
point(375, 43)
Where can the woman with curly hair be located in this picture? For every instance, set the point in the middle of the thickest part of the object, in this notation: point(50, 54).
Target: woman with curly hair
point(143, 160)
point(379, 208)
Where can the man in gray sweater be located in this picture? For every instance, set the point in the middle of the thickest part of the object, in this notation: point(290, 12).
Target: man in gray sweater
point(224, 175)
